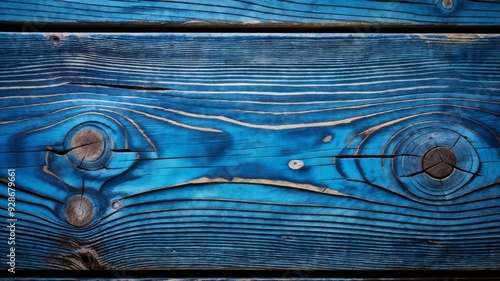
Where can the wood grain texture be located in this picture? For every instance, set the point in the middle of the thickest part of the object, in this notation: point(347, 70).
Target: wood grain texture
point(417, 12)
point(304, 278)
point(197, 136)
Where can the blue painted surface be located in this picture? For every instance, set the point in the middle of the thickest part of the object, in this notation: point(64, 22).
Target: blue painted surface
point(200, 130)
point(455, 12)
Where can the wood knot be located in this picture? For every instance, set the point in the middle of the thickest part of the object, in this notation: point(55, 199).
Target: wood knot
point(87, 145)
point(439, 162)
point(447, 4)
point(55, 40)
point(89, 260)
point(80, 211)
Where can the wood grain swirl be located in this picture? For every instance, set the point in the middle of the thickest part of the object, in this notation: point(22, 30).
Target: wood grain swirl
point(263, 151)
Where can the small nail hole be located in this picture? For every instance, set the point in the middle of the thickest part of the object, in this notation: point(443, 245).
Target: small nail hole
point(295, 164)
point(116, 204)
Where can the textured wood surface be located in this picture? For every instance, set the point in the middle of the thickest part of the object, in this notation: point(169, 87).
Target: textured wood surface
point(131, 278)
point(263, 151)
point(253, 12)
point(304, 278)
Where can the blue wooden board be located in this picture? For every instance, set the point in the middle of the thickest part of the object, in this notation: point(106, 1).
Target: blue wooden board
point(129, 277)
point(261, 151)
point(305, 278)
point(36, 13)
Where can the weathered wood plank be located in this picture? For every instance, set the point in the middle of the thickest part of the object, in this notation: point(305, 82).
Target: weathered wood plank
point(263, 151)
point(418, 12)
point(287, 276)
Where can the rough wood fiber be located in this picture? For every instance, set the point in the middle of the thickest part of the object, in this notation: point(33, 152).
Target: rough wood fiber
point(419, 12)
point(286, 278)
point(131, 278)
point(264, 151)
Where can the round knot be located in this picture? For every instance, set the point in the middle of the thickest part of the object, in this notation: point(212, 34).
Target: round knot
point(447, 4)
point(439, 162)
point(436, 162)
point(87, 144)
point(80, 211)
